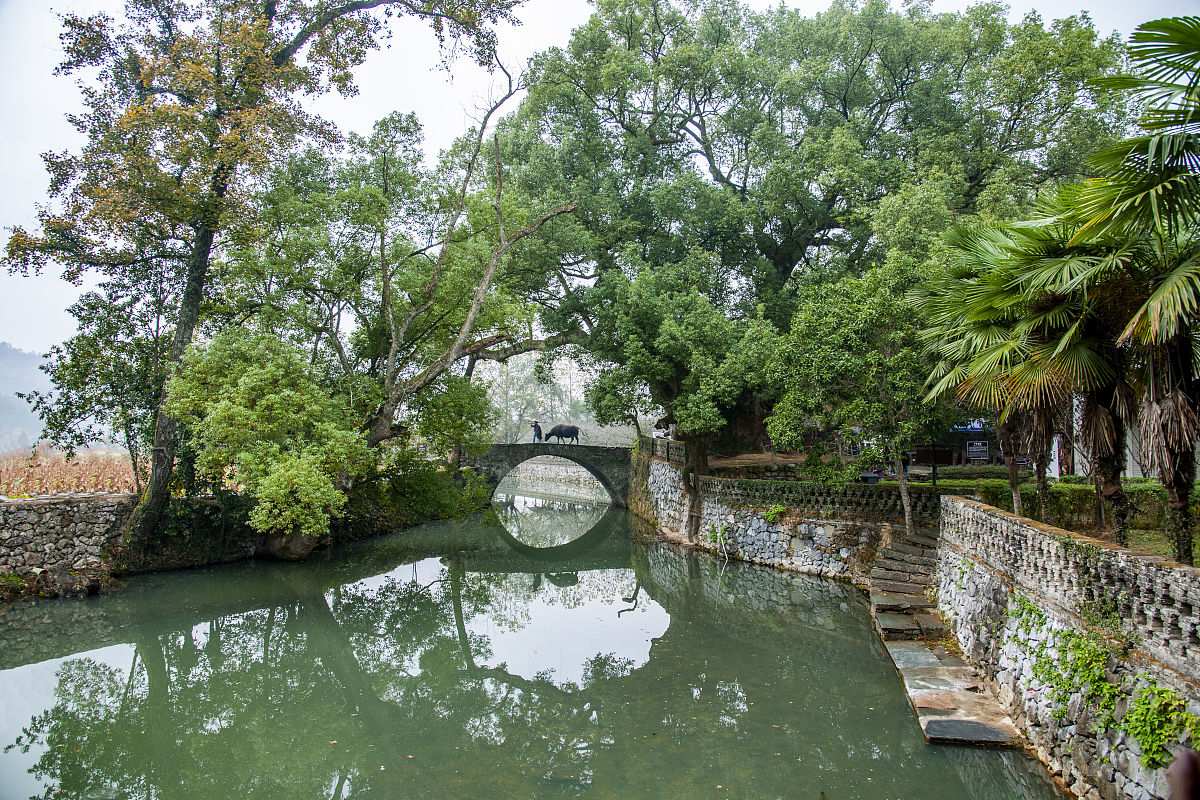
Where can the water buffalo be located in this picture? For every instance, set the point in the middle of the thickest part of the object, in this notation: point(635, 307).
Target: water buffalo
point(563, 432)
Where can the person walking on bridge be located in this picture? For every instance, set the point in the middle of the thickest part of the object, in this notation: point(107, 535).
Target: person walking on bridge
point(537, 431)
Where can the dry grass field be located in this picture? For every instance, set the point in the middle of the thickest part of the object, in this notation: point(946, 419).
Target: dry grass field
point(25, 474)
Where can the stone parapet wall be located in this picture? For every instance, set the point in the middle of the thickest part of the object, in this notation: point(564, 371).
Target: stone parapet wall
point(658, 494)
point(668, 450)
point(1024, 600)
point(841, 501)
point(1158, 600)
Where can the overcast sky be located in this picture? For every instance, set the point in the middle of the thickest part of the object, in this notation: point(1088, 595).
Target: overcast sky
point(403, 77)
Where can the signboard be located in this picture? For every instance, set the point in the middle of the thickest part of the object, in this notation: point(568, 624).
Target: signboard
point(977, 450)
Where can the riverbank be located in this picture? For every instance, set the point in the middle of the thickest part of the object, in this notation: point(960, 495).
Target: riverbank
point(1091, 650)
point(76, 544)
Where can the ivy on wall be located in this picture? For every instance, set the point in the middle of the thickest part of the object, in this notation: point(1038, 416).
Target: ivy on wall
point(1070, 662)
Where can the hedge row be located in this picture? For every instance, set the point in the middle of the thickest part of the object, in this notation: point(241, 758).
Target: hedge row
point(1073, 505)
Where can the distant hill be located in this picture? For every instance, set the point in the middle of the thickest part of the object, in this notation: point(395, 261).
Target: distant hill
point(19, 372)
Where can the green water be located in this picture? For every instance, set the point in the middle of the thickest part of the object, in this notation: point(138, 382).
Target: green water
point(459, 660)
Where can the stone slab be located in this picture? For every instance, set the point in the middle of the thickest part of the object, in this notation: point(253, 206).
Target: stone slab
point(910, 655)
point(878, 574)
point(898, 587)
point(931, 624)
point(950, 730)
point(910, 549)
point(893, 601)
point(939, 676)
point(926, 700)
point(949, 699)
point(891, 623)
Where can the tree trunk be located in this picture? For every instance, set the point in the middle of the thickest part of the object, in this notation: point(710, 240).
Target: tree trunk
point(1112, 491)
point(745, 429)
point(1066, 452)
point(133, 462)
point(1106, 437)
point(455, 460)
point(1174, 438)
point(1043, 490)
point(1007, 432)
point(147, 517)
point(1179, 527)
point(694, 468)
point(905, 497)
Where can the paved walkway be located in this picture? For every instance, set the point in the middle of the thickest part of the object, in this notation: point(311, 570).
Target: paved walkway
point(951, 703)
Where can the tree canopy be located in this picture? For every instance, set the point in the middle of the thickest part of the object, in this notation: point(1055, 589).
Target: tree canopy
point(748, 155)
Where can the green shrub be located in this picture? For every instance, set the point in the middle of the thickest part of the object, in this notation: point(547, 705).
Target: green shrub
point(978, 471)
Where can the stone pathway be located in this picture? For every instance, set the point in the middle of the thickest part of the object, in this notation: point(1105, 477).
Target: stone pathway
point(951, 704)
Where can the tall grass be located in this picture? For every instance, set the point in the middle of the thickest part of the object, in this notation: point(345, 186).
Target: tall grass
point(43, 471)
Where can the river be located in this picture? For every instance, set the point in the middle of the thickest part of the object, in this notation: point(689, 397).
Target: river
point(551, 655)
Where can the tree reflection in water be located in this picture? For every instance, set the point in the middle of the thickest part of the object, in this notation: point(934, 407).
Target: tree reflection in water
point(405, 682)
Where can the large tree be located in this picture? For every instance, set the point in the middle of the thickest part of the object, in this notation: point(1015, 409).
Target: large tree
point(785, 150)
point(185, 103)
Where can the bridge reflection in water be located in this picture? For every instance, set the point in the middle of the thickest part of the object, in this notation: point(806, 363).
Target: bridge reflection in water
point(435, 663)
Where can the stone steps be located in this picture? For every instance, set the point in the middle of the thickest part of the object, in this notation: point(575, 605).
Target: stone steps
point(949, 700)
point(895, 626)
point(901, 561)
point(918, 538)
point(946, 695)
point(898, 587)
point(899, 565)
point(887, 601)
point(910, 549)
point(904, 577)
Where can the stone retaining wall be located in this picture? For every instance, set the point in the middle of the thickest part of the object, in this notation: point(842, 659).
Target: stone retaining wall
point(61, 534)
point(1020, 596)
point(732, 524)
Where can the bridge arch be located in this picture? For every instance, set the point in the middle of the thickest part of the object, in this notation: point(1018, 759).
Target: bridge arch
point(610, 466)
point(579, 546)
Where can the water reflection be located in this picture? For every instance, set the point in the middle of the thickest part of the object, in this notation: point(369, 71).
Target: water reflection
point(446, 663)
point(547, 520)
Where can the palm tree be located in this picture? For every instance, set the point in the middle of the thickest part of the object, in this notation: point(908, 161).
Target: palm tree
point(1151, 181)
point(1073, 326)
point(1013, 333)
point(1149, 198)
point(1101, 295)
point(969, 318)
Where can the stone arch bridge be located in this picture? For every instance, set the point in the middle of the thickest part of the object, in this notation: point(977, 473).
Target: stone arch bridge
point(611, 466)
